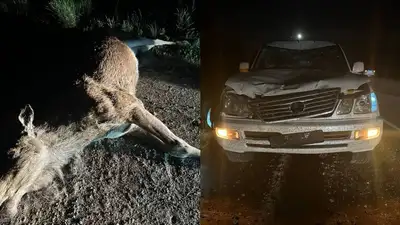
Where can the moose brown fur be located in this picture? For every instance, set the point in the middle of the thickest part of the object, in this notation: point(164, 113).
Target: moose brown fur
point(43, 150)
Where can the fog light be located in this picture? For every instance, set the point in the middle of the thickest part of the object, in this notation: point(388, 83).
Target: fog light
point(225, 133)
point(367, 134)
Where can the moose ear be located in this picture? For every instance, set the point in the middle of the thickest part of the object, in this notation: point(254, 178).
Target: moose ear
point(26, 118)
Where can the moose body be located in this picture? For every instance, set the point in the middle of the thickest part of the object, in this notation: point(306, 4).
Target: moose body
point(66, 90)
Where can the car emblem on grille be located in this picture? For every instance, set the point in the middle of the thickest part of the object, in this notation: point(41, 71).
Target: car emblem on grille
point(297, 107)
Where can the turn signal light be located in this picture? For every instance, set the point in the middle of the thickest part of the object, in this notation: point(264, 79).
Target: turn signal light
point(367, 134)
point(226, 133)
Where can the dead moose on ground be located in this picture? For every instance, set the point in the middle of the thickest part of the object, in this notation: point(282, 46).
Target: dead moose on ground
point(62, 89)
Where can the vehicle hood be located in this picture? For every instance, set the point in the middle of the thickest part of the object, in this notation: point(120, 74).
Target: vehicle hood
point(284, 81)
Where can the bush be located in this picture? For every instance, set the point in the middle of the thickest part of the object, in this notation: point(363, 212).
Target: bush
point(191, 52)
point(76, 14)
point(184, 24)
point(18, 7)
point(155, 31)
point(69, 13)
point(189, 48)
point(134, 23)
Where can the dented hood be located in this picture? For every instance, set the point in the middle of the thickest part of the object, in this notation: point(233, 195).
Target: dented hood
point(283, 81)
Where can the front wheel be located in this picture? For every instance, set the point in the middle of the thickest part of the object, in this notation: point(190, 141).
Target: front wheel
point(362, 157)
point(239, 157)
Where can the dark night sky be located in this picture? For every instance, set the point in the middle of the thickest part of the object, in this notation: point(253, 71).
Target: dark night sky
point(360, 23)
point(232, 31)
point(312, 14)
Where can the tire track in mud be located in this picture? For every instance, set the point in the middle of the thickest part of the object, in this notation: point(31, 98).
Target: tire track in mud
point(246, 192)
point(275, 184)
point(302, 196)
point(253, 188)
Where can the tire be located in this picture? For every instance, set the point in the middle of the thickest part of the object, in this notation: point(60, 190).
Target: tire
point(239, 157)
point(362, 157)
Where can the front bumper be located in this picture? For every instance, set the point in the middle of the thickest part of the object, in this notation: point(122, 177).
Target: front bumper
point(339, 135)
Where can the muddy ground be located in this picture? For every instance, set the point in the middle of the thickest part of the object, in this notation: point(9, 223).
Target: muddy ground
point(129, 180)
point(303, 189)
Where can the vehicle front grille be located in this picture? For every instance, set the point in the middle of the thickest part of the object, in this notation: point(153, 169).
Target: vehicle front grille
point(328, 136)
point(295, 105)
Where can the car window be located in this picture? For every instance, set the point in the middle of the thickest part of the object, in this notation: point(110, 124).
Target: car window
point(327, 58)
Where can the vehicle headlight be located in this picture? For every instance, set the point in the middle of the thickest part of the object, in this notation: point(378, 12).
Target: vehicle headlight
point(345, 106)
point(360, 105)
point(236, 105)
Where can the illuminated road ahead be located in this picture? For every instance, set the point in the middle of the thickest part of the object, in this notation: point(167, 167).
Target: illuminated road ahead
point(304, 189)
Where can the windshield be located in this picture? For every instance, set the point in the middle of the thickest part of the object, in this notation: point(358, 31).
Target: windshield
point(327, 58)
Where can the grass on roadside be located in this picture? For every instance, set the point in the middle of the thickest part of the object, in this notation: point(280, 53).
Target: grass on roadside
point(78, 14)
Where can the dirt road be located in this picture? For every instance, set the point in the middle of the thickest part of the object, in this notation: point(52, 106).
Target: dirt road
point(129, 180)
point(303, 189)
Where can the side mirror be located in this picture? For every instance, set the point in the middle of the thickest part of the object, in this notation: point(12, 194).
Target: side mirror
point(369, 73)
point(358, 67)
point(244, 67)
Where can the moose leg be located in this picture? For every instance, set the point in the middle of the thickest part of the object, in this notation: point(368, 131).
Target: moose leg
point(150, 123)
point(133, 111)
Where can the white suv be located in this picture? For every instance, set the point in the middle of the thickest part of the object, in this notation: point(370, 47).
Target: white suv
point(298, 97)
